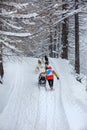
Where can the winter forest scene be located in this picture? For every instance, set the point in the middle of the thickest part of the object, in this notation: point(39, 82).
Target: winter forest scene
point(43, 64)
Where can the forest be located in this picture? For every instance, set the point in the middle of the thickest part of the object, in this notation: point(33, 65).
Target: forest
point(34, 28)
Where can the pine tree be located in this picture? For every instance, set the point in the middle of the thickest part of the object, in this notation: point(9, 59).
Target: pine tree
point(64, 32)
point(1, 61)
point(77, 59)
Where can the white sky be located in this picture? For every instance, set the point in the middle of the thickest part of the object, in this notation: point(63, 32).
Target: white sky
point(24, 107)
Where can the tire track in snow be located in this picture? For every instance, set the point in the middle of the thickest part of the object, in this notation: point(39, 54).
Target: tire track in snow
point(8, 87)
point(42, 111)
point(28, 105)
point(63, 118)
point(74, 109)
point(9, 111)
point(37, 121)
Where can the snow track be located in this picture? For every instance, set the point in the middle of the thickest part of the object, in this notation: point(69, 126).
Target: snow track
point(75, 109)
point(29, 108)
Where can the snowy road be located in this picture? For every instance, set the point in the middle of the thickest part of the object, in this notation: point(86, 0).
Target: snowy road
point(29, 108)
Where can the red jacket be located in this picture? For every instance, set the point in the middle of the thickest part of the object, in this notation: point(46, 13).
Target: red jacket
point(50, 74)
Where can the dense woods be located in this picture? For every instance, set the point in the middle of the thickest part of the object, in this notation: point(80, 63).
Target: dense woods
point(37, 28)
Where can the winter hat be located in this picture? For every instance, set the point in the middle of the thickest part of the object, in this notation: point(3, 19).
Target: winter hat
point(49, 67)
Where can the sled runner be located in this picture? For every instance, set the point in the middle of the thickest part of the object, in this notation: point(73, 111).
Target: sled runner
point(42, 81)
point(0, 82)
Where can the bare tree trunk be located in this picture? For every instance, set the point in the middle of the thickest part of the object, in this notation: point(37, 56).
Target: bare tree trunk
point(50, 46)
point(51, 34)
point(64, 39)
point(77, 60)
point(1, 61)
point(55, 40)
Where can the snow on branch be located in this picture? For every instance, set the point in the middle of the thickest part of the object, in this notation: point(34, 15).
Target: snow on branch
point(12, 15)
point(12, 48)
point(68, 15)
point(10, 25)
point(7, 45)
point(15, 34)
point(4, 12)
point(16, 5)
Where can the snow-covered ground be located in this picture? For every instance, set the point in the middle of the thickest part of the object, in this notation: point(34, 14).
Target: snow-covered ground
point(24, 107)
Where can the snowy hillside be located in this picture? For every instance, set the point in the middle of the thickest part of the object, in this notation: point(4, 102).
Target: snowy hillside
point(24, 107)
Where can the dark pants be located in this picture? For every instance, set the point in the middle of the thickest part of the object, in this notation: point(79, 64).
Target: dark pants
point(50, 82)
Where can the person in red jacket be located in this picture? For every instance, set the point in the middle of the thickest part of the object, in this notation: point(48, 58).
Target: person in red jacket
point(50, 76)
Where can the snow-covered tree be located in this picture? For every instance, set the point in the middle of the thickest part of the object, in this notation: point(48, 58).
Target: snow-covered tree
point(35, 27)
